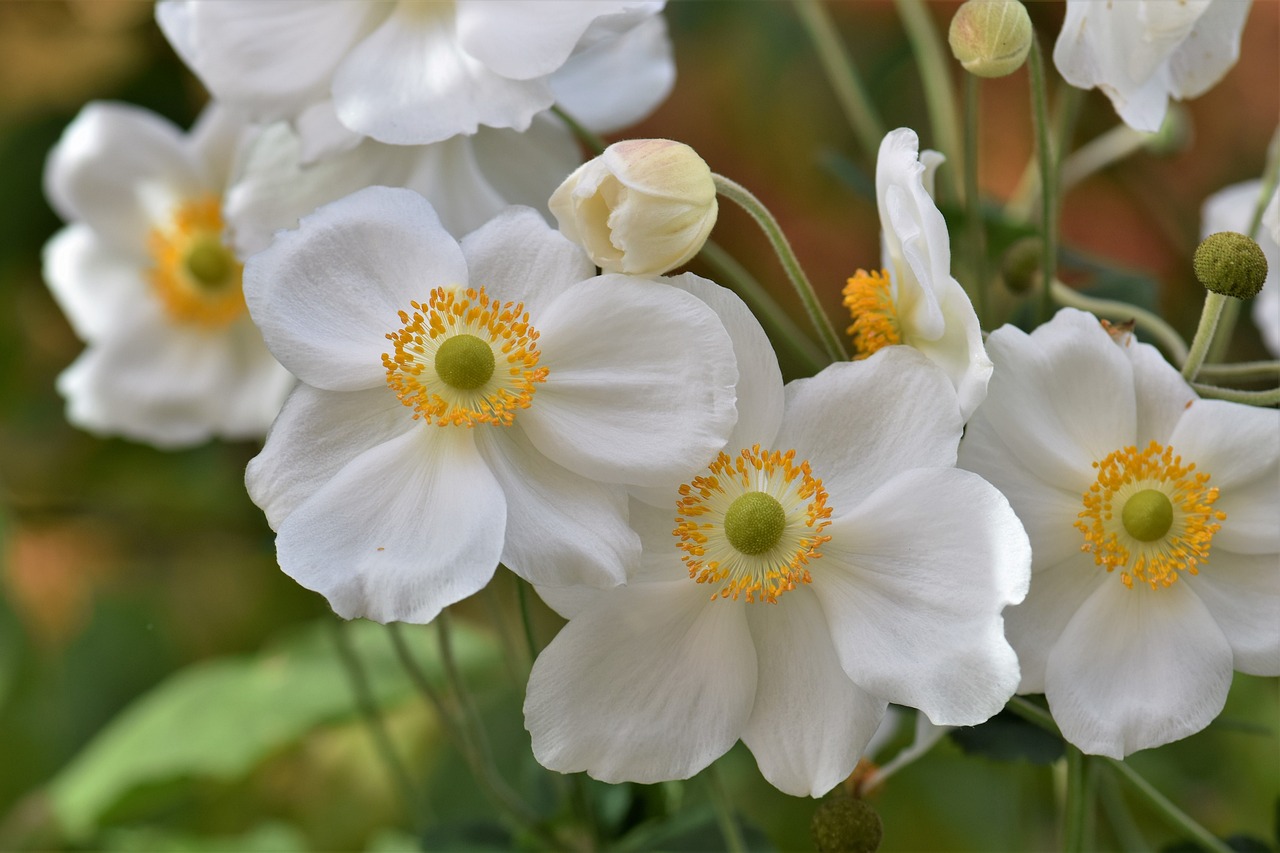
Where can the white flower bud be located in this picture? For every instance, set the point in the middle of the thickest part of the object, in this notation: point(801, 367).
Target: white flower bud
point(644, 206)
point(991, 38)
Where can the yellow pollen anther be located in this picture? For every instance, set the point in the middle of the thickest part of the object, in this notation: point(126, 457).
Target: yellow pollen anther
point(774, 558)
point(466, 394)
point(1126, 526)
point(195, 274)
point(875, 318)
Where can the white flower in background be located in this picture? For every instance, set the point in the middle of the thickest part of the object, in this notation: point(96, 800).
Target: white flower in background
point(644, 206)
point(419, 71)
point(466, 403)
point(1152, 517)
point(829, 562)
point(467, 179)
point(1231, 209)
point(1141, 53)
point(914, 300)
point(148, 278)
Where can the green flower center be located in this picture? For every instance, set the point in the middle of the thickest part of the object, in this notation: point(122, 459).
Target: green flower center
point(210, 263)
point(754, 522)
point(464, 362)
point(1147, 515)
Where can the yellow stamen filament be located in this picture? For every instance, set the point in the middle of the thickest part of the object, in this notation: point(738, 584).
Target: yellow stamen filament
point(448, 313)
point(195, 274)
point(768, 572)
point(1132, 474)
point(875, 318)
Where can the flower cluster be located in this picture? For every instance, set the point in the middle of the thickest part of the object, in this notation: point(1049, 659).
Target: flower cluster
point(354, 248)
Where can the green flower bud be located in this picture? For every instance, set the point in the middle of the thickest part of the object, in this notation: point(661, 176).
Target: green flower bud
point(843, 824)
point(1020, 267)
point(991, 38)
point(1230, 264)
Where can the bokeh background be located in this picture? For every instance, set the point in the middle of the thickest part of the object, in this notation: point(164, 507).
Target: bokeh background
point(121, 565)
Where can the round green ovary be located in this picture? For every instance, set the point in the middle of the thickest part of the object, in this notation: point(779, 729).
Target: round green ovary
point(1147, 515)
point(210, 263)
point(754, 523)
point(464, 362)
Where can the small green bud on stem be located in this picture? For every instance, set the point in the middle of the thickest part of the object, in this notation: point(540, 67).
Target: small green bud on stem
point(991, 38)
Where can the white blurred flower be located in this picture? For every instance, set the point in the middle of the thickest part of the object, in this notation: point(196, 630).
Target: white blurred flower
point(644, 206)
point(419, 71)
point(465, 403)
point(1141, 53)
point(1231, 209)
point(829, 562)
point(914, 300)
point(1152, 517)
point(148, 278)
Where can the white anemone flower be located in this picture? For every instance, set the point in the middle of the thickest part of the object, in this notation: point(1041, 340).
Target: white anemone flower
point(914, 300)
point(412, 72)
point(829, 562)
point(1231, 209)
point(147, 275)
point(1141, 53)
point(1152, 516)
point(465, 403)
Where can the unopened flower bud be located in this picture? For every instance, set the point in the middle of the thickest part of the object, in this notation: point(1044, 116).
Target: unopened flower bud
point(991, 38)
point(845, 824)
point(644, 206)
point(1230, 264)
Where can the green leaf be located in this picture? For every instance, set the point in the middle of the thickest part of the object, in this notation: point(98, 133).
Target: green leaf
point(1008, 737)
point(218, 719)
point(266, 838)
point(691, 830)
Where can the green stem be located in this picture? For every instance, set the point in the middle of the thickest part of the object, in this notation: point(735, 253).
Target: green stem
point(446, 716)
point(850, 91)
point(1100, 152)
point(1119, 818)
point(741, 196)
point(526, 618)
point(1163, 334)
point(1209, 317)
point(1026, 195)
point(1033, 713)
point(972, 200)
point(1252, 398)
point(1077, 805)
point(586, 136)
point(1048, 178)
point(374, 721)
point(1242, 371)
point(932, 58)
point(762, 304)
point(1171, 813)
point(729, 829)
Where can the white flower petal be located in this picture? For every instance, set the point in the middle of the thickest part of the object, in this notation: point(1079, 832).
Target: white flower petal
point(913, 582)
point(917, 248)
point(402, 531)
point(1034, 626)
point(525, 168)
point(1044, 397)
point(1212, 48)
point(617, 82)
point(326, 295)
point(1162, 394)
point(641, 383)
point(410, 83)
point(809, 723)
point(215, 141)
point(517, 256)
point(860, 423)
point(120, 168)
point(959, 351)
point(95, 284)
point(1243, 594)
point(1137, 668)
point(653, 684)
point(562, 529)
point(1238, 446)
point(315, 435)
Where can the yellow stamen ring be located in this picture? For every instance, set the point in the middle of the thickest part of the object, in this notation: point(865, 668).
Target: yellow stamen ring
point(463, 359)
point(1149, 515)
point(752, 524)
point(869, 298)
point(194, 273)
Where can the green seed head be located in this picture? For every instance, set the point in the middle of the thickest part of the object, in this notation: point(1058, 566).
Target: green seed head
point(210, 263)
point(464, 362)
point(991, 38)
point(1147, 515)
point(754, 523)
point(1230, 264)
point(843, 824)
